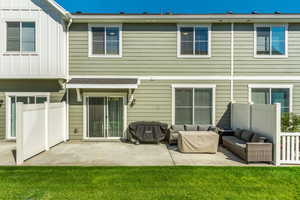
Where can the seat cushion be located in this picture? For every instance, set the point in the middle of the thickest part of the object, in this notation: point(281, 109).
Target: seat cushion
point(203, 128)
point(177, 127)
point(247, 135)
point(237, 133)
point(190, 127)
point(238, 143)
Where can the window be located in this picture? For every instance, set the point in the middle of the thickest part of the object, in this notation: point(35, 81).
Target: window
point(193, 105)
point(271, 96)
point(194, 41)
point(271, 40)
point(21, 37)
point(105, 40)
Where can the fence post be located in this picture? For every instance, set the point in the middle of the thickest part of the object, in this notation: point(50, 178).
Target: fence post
point(46, 126)
point(65, 121)
point(277, 145)
point(19, 134)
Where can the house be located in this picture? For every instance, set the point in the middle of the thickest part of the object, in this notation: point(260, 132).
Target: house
point(172, 68)
point(177, 69)
point(33, 57)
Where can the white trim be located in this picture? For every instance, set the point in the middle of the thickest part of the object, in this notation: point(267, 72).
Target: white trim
point(272, 86)
point(222, 78)
point(103, 94)
point(8, 106)
point(209, 86)
point(102, 86)
point(270, 26)
point(208, 26)
point(90, 40)
point(59, 8)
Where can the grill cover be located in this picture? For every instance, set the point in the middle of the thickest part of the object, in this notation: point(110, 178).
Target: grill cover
point(147, 132)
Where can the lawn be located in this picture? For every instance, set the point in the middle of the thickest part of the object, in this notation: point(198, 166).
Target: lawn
point(145, 183)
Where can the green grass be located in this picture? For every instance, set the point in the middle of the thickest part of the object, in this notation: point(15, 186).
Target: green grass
point(145, 183)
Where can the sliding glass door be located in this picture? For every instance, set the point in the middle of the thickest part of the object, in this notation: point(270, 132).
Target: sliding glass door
point(105, 117)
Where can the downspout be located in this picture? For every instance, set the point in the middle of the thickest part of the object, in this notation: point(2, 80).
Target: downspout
point(68, 75)
point(232, 64)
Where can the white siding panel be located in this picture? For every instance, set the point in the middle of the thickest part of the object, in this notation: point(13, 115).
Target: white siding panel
point(49, 60)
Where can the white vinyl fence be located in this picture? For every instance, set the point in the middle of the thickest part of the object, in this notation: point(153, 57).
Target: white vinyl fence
point(39, 127)
point(289, 146)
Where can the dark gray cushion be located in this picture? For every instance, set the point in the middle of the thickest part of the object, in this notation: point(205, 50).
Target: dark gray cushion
point(190, 127)
point(258, 138)
point(235, 142)
point(246, 135)
point(203, 128)
point(177, 127)
point(237, 133)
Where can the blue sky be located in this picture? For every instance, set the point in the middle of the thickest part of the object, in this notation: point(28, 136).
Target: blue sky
point(185, 6)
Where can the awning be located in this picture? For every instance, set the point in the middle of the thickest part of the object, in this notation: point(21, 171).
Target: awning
point(103, 83)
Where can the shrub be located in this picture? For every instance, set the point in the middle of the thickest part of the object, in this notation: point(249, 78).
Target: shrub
point(290, 122)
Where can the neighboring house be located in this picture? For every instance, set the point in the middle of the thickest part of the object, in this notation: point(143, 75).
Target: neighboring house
point(122, 68)
point(33, 56)
point(177, 69)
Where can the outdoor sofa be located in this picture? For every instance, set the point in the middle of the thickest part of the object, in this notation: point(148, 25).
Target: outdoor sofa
point(250, 146)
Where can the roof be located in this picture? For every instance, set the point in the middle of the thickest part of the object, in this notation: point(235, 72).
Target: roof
point(179, 17)
point(59, 8)
point(109, 83)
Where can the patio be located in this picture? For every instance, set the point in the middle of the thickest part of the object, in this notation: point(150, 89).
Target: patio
point(76, 153)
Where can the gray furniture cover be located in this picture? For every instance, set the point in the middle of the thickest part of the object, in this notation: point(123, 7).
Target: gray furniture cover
point(198, 142)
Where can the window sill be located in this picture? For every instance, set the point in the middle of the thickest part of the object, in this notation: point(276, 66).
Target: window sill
point(192, 56)
point(271, 57)
point(20, 54)
point(104, 56)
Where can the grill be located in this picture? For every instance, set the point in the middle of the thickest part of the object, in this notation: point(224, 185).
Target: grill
point(147, 132)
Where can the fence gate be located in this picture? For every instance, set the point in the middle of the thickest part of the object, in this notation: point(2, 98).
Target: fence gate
point(289, 147)
point(39, 127)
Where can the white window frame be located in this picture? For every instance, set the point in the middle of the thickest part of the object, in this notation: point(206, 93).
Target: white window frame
point(195, 86)
point(270, 26)
point(8, 107)
point(179, 26)
point(36, 36)
point(270, 87)
point(90, 26)
point(85, 117)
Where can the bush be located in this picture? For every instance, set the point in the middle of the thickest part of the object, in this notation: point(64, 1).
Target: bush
point(290, 122)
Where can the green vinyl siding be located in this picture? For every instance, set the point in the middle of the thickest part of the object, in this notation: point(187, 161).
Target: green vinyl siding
point(245, 64)
point(150, 49)
point(241, 91)
point(153, 103)
point(50, 86)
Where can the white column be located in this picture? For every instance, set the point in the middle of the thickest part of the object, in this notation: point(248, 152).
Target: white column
point(19, 134)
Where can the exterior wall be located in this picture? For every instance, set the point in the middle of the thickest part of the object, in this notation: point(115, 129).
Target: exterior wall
point(241, 94)
point(56, 95)
point(150, 50)
point(245, 64)
point(154, 103)
point(50, 59)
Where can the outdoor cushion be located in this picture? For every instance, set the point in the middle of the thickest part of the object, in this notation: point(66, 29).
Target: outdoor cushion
point(203, 128)
point(246, 135)
point(237, 133)
point(235, 142)
point(177, 127)
point(258, 138)
point(191, 127)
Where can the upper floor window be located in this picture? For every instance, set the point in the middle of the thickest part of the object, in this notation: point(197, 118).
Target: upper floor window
point(21, 37)
point(105, 40)
point(194, 41)
point(271, 40)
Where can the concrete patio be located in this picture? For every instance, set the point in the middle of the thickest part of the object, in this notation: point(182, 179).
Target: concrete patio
point(119, 154)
